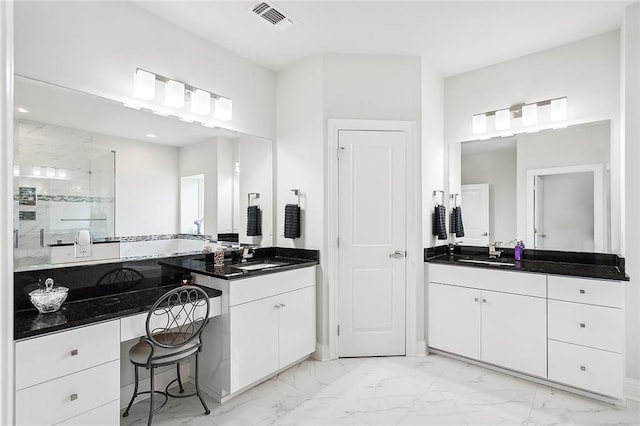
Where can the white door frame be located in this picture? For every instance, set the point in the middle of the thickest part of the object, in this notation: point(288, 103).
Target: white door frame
point(598, 200)
point(415, 258)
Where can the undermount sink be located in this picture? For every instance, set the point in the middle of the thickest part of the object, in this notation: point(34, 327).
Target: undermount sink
point(258, 266)
point(488, 262)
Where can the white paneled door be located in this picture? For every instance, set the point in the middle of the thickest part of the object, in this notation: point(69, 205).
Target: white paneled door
point(372, 243)
point(475, 214)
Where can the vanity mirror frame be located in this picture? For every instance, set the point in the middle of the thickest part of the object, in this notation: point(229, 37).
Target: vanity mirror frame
point(213, 133)
point(610, 190)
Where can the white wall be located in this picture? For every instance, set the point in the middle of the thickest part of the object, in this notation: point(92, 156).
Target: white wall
point(587, 72)
point(630, 90)
point(95, 47)
point(311, 92)
point(300, 159)
point(202, 158)
point(256, 165)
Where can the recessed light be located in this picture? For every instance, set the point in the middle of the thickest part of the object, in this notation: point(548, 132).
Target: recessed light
point(23, 110)
point(151, 135)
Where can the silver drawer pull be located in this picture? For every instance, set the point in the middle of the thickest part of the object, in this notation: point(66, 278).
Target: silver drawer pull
point(582, 291)
point(583, 325)
point(74, 352)
point(583, 368)
point(277, 306)
point(73, 397)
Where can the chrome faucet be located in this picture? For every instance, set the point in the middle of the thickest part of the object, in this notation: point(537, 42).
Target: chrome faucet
point(198, 224)
point(493, 252)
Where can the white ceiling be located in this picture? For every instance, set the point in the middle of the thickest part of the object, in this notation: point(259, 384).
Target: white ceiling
point(455, 37)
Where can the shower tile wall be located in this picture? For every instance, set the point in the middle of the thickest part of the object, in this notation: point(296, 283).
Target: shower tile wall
point(75, 183)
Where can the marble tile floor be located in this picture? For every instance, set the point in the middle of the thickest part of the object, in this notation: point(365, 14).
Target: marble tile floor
point(432, 390)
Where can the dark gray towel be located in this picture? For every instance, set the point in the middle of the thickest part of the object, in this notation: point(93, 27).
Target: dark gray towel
point(254, 221)
point(459, 226)
point(439, 222)
point(292, 221)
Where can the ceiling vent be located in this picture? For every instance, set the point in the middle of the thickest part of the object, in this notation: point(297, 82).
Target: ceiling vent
point(274, 16)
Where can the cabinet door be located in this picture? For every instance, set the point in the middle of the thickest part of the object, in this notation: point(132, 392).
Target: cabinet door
point(514, 332)
point(253, 341)
point(454, 319)
point(297, 330)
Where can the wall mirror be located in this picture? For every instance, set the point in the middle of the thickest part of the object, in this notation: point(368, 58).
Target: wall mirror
point(551, 188)
point(83, 162)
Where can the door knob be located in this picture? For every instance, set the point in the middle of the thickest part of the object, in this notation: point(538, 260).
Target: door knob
point(398, 254)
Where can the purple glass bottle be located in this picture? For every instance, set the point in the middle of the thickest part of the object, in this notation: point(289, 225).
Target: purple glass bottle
point(518, 250)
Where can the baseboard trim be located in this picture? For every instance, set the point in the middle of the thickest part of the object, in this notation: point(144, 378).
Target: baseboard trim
point(161, 382)
point(632, 392)
point(421, 348)
point(321, 353)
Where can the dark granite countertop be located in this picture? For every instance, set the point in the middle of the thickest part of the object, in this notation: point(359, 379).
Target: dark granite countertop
point(587, 265)
point(29, 323)
point(229, 270)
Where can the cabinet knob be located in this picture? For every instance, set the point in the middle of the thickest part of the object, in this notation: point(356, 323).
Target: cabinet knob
point(475, 299)
point(583, 325)
point(583, 368)
point(73, 396)
point(484, 300)
point(74, 352)
point(582, 291)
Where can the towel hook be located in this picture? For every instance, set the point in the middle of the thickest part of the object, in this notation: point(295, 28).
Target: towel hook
point(297, 193)
point(255, 194)
point(435, 193)
point(454, 197)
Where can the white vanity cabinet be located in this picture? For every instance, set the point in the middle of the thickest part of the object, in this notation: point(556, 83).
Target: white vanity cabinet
point(586, 334)
point(71, 377)
point(498, 317)
point(268, 322)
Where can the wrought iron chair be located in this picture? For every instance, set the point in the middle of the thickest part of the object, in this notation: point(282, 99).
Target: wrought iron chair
point(174, 333)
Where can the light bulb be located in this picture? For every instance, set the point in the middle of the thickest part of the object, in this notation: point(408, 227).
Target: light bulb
point(558, 109)
point(200, 102)
point(144, 85)
point(503, 119)
point(479, 124)
point(224, 109)
point(174, 94)
point(529, 115)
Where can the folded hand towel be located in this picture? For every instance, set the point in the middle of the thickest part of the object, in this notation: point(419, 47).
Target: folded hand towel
point(440, 222)
point(292, 221)
point(459, 226)
point(254, 221)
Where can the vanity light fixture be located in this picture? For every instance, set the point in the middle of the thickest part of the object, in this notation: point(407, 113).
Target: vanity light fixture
point(177, 94)
point(144, 85)
point(37, 170)
point(558, 109)
point(479, 124)
point(62, 173)
point(503, 119)
point(174, 94)
point(51, 172)
point(200, 102)
point(223, 109)
point(529, 114)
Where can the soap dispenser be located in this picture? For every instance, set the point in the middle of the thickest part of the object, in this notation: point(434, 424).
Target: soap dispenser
point(518, 250)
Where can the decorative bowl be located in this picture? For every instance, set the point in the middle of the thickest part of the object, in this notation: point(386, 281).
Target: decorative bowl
point(50, 299)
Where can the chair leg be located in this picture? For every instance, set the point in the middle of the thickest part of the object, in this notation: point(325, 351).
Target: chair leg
point(204, 404)
point(179, 378)
point(151, 394)
point(135, 393)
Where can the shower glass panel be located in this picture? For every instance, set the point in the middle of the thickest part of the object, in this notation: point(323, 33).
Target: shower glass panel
point(63, 183)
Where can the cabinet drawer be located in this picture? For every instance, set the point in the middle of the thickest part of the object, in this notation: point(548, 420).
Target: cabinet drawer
point(586, 368)
point(588, 325)
point(106, 415)
point(259, 287)
point(505, 281)
point(584, 290)
point(47, 357)
point(51, 402)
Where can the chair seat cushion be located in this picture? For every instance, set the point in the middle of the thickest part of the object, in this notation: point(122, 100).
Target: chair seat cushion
point(139, 353)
